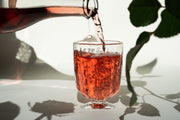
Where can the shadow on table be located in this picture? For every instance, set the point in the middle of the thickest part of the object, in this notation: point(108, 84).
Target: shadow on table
point(44, 71)
point(9, 45)
point(11, 67)
point(38, 71)
point(52, 107)
point(141, 108)
point(8, 111)
point(144, 108)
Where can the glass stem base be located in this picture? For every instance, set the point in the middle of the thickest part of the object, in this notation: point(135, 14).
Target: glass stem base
point(98, 104)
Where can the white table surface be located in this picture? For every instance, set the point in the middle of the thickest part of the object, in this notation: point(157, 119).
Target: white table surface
point(158, 94)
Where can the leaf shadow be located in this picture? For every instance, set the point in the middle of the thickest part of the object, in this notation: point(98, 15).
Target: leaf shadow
point(173, 96)
point(9, 110)
point(148, 110)
point(129, 110)
point(177, 107)
point(141, 108)
point(51, 107)
point(147, 68)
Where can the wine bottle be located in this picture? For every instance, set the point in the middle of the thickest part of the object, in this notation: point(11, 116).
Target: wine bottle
point(14, 19)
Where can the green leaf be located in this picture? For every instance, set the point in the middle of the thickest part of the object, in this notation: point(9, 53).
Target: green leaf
point(169, 25)
point(130, 56)
point(173, 6)
point(142, 39)
point(143, 12)
point(133, 99)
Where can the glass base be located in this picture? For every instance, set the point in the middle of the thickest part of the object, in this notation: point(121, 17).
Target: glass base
point(98, 105)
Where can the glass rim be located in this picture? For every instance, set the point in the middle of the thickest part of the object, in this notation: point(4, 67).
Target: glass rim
point(107, 42)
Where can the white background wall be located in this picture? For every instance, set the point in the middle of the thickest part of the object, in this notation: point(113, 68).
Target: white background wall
point(52, 39)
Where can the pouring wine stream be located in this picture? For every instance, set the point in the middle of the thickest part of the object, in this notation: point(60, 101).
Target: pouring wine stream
point(99, 30)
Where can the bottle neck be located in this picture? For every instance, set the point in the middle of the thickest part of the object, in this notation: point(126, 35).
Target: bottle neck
point(71, 11)
point(90, 7)
point(65, 10)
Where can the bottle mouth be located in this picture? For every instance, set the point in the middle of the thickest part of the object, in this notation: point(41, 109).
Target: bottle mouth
point(90, 7)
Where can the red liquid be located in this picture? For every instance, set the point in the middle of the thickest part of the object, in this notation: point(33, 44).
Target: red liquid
point(13, 19)
point(97, 77)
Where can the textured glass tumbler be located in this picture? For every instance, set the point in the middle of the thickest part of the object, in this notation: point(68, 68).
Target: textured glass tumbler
point(98, 71)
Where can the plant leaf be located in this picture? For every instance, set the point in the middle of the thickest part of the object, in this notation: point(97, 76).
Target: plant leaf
point(133, 99)
point(173, 6)
point(143, 12)
point(142, 39)
point(169, 25)
point(148, 110)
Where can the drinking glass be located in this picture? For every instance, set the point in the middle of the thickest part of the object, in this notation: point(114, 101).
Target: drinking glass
point(97, 69)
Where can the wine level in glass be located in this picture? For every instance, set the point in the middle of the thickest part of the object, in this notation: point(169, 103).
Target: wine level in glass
point(97, 76)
